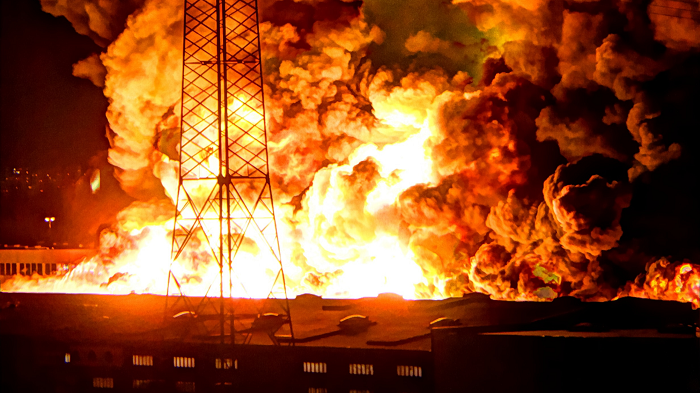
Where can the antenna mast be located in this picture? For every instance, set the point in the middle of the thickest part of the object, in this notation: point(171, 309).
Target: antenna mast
point(224, 198)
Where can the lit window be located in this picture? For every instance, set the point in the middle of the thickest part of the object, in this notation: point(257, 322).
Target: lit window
point(409, 371)
point(227, 364)
point(142, 383)
point(359, 391)
point(103, 383)
point(142, 360)
point(315, 367)
point(181, 386)
point(184, 362)
point(67, 357)
point(318, 390)
point(362, 369)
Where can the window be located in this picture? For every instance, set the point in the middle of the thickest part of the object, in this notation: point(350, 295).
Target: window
point(67, 358)
point(361, 369)
point(142, 360)
point(226, 364)
point(359, 391)
point(180, 361)
point(143, 383)
point(2, 269)
point(181, 386)
point(409, 371)
point(318, 390)
point(315, 367)
point(91, 356)
point(103, 383)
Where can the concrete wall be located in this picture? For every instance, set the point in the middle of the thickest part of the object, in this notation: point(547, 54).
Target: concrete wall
point(44, 255)
point(42, 261)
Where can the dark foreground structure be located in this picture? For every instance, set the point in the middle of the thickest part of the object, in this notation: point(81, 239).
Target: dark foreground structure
point(86, 343)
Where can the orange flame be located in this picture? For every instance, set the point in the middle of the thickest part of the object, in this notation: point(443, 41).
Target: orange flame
point(679, 281)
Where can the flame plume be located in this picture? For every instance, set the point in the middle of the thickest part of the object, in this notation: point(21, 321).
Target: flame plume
point(506, 147)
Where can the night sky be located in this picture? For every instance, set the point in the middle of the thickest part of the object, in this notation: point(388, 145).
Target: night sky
point(48, 118)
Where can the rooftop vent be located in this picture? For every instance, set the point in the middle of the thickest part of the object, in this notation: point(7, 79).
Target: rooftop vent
point(185, 314)
point(444, 322)
point(354, 324)
point(269, 322)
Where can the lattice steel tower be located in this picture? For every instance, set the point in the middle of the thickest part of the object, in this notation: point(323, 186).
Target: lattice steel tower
point(224, 199)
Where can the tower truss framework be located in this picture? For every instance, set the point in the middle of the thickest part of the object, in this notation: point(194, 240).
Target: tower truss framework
point(224, 199)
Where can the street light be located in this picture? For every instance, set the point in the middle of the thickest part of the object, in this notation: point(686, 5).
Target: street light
point(49, 220)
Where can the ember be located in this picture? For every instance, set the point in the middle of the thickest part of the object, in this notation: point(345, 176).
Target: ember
point(509, 148)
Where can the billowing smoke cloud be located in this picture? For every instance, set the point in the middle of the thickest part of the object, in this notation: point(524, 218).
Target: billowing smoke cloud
point(100, 20)
point(91, 68)
point(143, 85)
point(678, 27)
point(524, 149)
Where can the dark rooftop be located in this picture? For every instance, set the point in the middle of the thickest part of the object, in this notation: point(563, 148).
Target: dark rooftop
point(396, 323)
